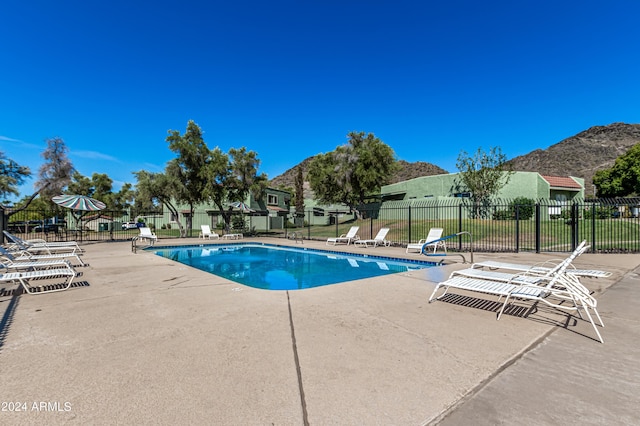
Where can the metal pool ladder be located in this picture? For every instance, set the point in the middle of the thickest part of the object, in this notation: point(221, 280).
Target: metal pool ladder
point(297, 236)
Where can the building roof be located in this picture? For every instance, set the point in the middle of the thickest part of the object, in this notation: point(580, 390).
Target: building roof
point(276, 209)
point(562, 182)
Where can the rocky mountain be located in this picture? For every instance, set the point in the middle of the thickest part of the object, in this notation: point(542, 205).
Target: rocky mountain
point(581, 156)
point(288, 178)
point(407, 171)
point(417, 169)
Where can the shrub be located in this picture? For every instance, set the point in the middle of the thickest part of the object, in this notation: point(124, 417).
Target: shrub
point(601, 212)
point(237, 222)
point(526, 207)
point(503, 215)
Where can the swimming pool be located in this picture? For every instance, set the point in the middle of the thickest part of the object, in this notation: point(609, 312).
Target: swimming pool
point(273, 267)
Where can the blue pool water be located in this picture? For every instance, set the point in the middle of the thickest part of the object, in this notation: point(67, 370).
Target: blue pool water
point(284, 268)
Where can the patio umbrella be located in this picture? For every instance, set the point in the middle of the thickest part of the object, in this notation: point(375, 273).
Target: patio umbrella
point(79, 203)
point(241, 206)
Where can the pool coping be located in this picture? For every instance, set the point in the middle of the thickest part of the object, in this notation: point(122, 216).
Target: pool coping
point(341, 253)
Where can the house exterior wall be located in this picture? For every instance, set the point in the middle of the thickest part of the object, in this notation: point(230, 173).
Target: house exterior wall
point(325, 214)
point(268, 220)
point(521, 184)
point(440, 190)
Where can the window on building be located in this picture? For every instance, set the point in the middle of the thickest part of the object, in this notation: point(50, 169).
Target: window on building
point(462, 194)
point(272, 199)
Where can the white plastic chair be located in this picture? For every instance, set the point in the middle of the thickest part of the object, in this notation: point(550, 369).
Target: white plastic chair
point(205, 232)
point(430, 241)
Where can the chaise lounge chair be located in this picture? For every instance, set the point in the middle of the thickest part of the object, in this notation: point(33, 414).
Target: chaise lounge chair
point(205, 232)
point(232, 236)
point(554, 289)
point(25, 278)
point(433, 240)
point(347, 238)
point(26, 256)
point(540, 268)
point(378, 240)
point(36, 264)
point(529, 276)
point(39, 245)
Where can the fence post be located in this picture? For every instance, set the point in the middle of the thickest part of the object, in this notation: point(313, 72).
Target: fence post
point(538, 227)
point(517, 228)
point(574, 226)
point(3, 224)
point(593, 227)
point(371, 226)
point(409, 226)
point(459, 226)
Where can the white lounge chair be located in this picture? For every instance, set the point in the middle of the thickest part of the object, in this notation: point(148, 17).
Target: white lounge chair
point(232, 236)
point(205, 232)
point(25, 278)
point(347, 238)
point(39, 245)
point(146, 234)
point(36, 264)
point(432, 240)
point(26, 256)
point(554, 289)
point(530, 276)
point(541, 268)
point(378, 240)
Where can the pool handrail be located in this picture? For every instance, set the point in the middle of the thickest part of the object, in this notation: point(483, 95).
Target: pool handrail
point(428, 253)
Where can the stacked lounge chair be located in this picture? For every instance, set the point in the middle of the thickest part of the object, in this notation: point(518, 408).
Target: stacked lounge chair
point(553, 286)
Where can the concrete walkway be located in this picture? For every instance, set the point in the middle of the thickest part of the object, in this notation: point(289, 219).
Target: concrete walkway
point(144, 340)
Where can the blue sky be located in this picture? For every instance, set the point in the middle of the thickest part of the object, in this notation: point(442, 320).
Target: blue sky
point(289, 79)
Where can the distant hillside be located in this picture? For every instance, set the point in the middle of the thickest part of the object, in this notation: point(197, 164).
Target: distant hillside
point(583, 154)
point(407, 171)
point(414, 170)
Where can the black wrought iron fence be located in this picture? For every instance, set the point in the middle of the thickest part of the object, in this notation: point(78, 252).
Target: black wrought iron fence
point(609, 226)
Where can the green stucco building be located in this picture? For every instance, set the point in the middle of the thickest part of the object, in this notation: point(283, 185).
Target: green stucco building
point(521, 184)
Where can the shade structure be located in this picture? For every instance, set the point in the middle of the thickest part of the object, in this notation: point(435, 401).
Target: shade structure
point(241, 206)
point(79, 202)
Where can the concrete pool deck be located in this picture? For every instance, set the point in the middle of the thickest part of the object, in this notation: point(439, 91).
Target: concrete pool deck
point(144, 340)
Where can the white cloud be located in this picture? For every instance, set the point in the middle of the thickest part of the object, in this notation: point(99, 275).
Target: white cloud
point(8, 139)
point(94, 155)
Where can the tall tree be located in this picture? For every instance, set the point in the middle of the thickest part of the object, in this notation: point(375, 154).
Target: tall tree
point(54, 175)
point(299, 192)
point(483, 175)
point(158, 188)
point(12, 175)
point(352, 171)
point(199, 175)
point(623, 178)
point(81, 185)
point(245, 179)
point(232, 177)
point(188, 167)
point(56, 172)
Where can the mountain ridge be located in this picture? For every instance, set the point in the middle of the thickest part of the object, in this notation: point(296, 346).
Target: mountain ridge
point(580, 156)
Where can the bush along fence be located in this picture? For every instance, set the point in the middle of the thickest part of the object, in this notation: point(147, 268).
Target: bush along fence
point(608, 225)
